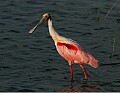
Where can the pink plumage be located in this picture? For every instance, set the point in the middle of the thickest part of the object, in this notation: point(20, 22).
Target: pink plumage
point(68, 49)
point(75, 55)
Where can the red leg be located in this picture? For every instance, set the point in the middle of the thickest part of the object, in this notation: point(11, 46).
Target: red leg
point(71, 73)
point(84, 71)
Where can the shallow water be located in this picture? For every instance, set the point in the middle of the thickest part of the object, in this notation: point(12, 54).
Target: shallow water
point(31, 62)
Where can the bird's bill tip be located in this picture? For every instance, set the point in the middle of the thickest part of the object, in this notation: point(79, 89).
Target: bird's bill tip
point(31, 31)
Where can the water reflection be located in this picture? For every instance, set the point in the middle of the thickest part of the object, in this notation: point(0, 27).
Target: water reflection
point(85, 87)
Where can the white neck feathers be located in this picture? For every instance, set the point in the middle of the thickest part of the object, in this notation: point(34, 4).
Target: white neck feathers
point(52, 31)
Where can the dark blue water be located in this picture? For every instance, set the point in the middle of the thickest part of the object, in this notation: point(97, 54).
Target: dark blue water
point(31, 62)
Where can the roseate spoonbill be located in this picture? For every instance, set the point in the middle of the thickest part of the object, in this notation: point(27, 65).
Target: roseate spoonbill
point(68, 49)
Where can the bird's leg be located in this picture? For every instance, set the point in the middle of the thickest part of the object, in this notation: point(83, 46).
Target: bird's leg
point(71, 73)
point(84, 71)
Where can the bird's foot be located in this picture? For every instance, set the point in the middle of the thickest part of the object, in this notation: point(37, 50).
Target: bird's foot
point(86, 78)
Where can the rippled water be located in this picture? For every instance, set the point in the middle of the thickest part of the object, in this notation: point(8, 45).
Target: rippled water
point(31, 62)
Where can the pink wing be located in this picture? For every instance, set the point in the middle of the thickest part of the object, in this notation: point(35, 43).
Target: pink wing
point(69, 46)
point(74, 54)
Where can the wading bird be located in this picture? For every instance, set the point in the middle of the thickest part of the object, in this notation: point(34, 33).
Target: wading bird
point(68, 49)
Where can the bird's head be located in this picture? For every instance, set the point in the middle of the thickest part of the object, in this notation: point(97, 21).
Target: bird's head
point(44, 18)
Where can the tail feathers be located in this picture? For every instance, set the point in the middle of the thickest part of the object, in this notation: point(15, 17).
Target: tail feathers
point(92, 62)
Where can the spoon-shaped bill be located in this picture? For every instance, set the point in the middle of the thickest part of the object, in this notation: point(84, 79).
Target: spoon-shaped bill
point(39, 23)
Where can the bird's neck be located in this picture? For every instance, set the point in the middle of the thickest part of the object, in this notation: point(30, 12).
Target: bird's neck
point(55, 36)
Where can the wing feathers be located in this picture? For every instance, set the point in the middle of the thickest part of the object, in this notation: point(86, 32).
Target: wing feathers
point(69, 46)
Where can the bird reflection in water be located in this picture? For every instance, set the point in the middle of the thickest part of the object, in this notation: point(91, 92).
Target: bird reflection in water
point(84, 88)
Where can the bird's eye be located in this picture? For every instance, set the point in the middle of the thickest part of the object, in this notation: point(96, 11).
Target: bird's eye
point(46, 16)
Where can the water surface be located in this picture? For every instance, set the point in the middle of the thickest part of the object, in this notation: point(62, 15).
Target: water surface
point(31, 62)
